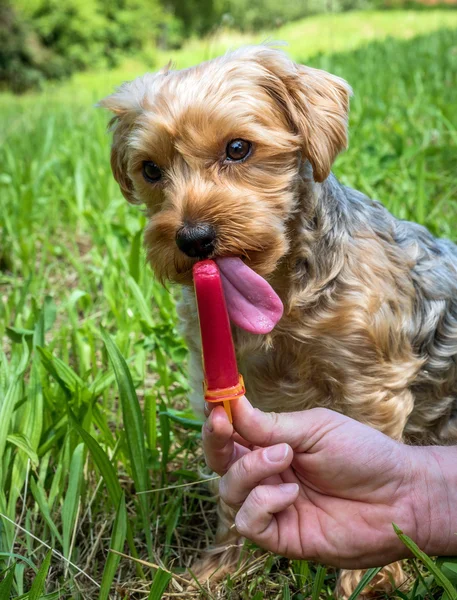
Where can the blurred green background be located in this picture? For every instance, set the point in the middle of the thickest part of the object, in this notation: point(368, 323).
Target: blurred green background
point(51, 39)
point(93, 387)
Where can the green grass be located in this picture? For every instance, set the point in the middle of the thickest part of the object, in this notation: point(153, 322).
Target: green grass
point(91, 416)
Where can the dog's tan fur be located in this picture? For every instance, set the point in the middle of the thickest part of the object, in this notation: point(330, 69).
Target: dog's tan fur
point(351, 338)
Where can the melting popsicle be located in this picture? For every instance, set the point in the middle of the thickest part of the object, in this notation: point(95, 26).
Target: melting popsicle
point(222, 380)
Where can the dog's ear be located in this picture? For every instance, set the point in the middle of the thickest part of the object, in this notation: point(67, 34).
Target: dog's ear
point(127, 104)
point(322, 104)
point(316, 105)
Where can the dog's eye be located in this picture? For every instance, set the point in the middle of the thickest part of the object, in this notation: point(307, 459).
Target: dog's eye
point(238, 150)
point(151, 172)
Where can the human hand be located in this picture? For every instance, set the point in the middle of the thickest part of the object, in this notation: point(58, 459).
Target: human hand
point(317, 485)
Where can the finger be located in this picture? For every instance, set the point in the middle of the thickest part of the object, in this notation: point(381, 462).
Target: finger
point(298, 429)
point(252, 468)
point(210, 406)
point(240, 440)
point(256, 518)
point(218, 444)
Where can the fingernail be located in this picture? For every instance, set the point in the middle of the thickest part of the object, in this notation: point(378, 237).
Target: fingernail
point(277, 453)
point(289, 488)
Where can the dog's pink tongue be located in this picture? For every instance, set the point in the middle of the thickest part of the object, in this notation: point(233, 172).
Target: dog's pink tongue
point(252, 303)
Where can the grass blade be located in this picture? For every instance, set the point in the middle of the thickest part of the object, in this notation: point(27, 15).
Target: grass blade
point(102, 462)
point(150, 418)
point(369, 576)
point(117, 543)
point(134, 430)
point(109, 475)
point(12, 397)
point(165, 435)
point(440, 578)
point(159, 584)
point(7, 584)
point(318, 582)
point(300, 569)
point(70, 505)
point(40, 579)
point(40, 499)
point(143, 308)
point(135, 255)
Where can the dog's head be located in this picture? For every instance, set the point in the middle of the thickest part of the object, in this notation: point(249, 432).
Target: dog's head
point(215, 153)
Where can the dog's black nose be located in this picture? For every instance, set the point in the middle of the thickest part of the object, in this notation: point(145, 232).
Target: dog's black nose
point(197, 241)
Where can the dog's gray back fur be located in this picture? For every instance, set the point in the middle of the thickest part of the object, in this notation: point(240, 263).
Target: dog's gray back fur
point(433, 330)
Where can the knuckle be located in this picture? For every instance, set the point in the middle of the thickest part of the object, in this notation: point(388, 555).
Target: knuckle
point(322, 413)
point(258, 496)
point(272, 428)
point(244, 468)
point(225, 491)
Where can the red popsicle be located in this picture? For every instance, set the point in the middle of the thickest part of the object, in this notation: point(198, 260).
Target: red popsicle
point(222, 380)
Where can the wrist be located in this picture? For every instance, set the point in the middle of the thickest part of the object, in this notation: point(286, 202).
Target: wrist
point(432, 493)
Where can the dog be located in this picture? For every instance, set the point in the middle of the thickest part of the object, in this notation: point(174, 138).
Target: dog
point(233, 158)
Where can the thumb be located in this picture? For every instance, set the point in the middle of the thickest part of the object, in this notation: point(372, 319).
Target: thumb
point(299, 429)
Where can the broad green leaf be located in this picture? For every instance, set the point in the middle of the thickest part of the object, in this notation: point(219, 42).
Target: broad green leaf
point(19, 557)
point(52, 596)
point(101, 384)
point(20, 441)
point(448, 564)
point(117, 543)
point(186, 423)
point(62, 373)
point(40, 578)
point(17, 334)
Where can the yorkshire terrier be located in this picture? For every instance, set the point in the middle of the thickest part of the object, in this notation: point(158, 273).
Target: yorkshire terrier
point(232, 158)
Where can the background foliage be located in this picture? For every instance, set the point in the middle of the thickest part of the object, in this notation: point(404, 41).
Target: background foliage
point(51, 39)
